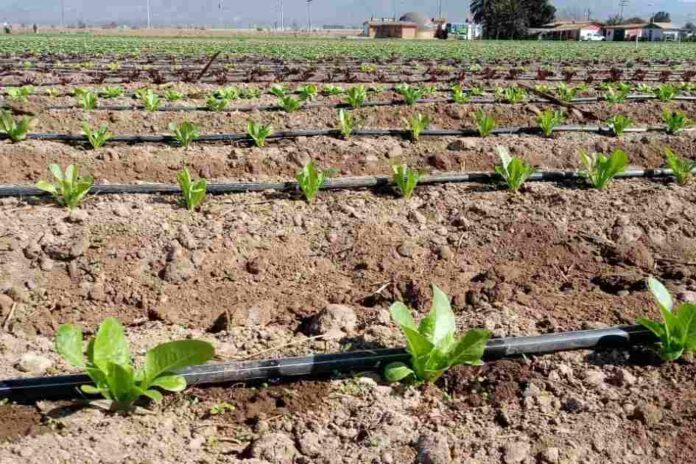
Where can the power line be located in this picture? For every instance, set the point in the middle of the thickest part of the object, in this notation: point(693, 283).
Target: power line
point(622, 5)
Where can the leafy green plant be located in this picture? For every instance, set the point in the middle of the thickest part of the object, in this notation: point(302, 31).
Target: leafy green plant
point(96, 137)
point(88, 100)
point(227, 93)
point(601, 169)
point(514, 95)
point(78, 91)
point(410, 94)
point(289, 103)
point(20, 94)
point(433, 344)
point(259, 132)
point(192, 192)
point(513, 170)
point(221, 408)
point(417, 124)
point(485, 124)
point(308, 92)
point(549, 120)
point(112, 91)
point(249, 93)
point(110, 367)
point(675, 121)
point(405, 179)
point(185, 133)
point(677, 332)
point(214, 103)
point(346, 123)
point(278, 90)
point(644, 88)
point(368, 68)
point(150, 100)
point(666, 92)
point(612, 95)
point(682, 169)
point(310, 180)
point(356, 96)
point(332, 90)
point(68, 189)
point(566, 93)
point(618, 124)
point(52, 92)
point(476, 91)
point(172, 95)
point(459, 95)
point(16, 129)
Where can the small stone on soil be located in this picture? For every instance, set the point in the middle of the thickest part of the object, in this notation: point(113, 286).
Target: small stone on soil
point(34, 364)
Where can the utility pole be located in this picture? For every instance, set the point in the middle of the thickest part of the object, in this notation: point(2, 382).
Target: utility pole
point(148, 15)
point(439, 10)
point(622, 5)
point(282, 15)
point(309, 16)
point(62, 13)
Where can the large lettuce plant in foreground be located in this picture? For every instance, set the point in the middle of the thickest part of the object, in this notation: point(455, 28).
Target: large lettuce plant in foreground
point(433, 345)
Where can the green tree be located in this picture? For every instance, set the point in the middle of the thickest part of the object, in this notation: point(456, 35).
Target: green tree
point(510, 19)
point(662, 17)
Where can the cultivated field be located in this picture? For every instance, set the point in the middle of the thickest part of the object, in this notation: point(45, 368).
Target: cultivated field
point(262, 270)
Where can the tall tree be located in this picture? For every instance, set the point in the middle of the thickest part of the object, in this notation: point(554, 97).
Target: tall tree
point(510, 19)
point(691, 27)
point(662, 17)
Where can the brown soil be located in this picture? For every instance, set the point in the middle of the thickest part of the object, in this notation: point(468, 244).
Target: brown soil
point(18, 421)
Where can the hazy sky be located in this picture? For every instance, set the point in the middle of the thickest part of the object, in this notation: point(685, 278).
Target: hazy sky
point(245, 13)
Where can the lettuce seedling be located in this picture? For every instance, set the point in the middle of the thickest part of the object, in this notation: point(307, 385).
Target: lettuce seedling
point(417, 124)
point(601, 169)
point(618, 124)
point(514, 95)
point(16, 129)
point(405, 179)
point(356, 96)
point(411, 94)
point(682, 169)
point(278, 90)
point(173, 96)
point(110, 367)
point(259, 132)
point(513, 170)
point(485, 125)
point(346, 123)
point(308, 92)
point(433, 345)
point(459, 95)
point(69, 189)
point(227, 93)
point(332, 90)
point(566, 93)
point(151, 101)
point(310, 180)
point(185, 133)
point(214, 103)
point(20, 94)
point(249, 93)
point(666, 92)
point(193, 192)
point(96, 137)
point(88, 100)
point(675, 121)
point(677, 332)
point(112, 92)
point(549, 120)
point(289, 103)
point(52, 92)
point(476, 91)
point(613, 95)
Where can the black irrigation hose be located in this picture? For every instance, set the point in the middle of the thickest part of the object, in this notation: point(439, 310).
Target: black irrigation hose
point(66, 386)
point(331, 184)
point(236, 137)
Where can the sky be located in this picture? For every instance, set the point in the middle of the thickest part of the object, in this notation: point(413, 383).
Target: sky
point(243, 13)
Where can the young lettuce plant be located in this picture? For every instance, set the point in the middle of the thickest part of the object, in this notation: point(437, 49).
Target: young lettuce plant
point(513, 170)
point(549, 120)
point(69, 188)
point(666, 92)
point(310, 180)
point(331, 90)
point(227, 93)
point(192, 192)
point(682, 169)
point(677, 332)
point(417, 124)
point(459, 95)
point(356, 96)
point(433, 345)
point(618, 124)
point(214, 103)
point(612, 95)
point(405, 179)
point(676, 121)
point(289, 103)
point(185, 133)
point(485, 125)
point(601, 169)
point(514, 95)
point(16, 129)
point(150, 100)
point(346, 123)
point(173, 96)
point(278, 90)
point(110, 367)
point(20, 94)
point(308, 92)
point(566, 93)
point(96, 137)
point(259, 132)
point(88, 100)
point(112, 92)
point(411, 94)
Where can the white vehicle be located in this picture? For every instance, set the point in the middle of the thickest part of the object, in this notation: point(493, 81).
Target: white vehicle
point(593, 37)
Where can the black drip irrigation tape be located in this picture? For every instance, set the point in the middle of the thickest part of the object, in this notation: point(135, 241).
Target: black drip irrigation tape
point(212, 138)
point(345, 183)
point(66, 386)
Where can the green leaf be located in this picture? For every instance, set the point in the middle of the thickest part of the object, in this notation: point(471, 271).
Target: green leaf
point(47, 187)
point(121, 382)
point(57, 172)
point(401, 314)
point(174, 355)
point(173, 383)
point(110, 345)
point(661, 294)
point(686, 317)
point(154, 395)
point(655, 327)
point(440, 322)
point(69, 344)
point(90, 389)
point(469, 348)
point(397, 371)
point(418, 345)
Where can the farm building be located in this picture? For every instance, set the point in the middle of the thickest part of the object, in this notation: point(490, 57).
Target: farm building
point(619, 32)
point(655, 32)
point(412, 25)
point(567, 30)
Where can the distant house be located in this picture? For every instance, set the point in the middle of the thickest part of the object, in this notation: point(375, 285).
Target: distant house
point(412, 25)
point(620, 32)
point(655, 32)
point(568, 30)
point(465, 31)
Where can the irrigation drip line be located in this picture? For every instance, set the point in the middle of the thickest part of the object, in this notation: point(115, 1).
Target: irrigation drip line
point(344, 183)
point(293, 134)
point(66, 386)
